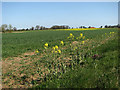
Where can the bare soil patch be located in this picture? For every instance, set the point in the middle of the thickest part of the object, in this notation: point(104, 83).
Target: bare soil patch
point(17, 32)
point(29, 53)
point(75, 42)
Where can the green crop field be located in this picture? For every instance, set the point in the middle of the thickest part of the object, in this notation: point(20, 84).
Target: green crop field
point(61, 59)
point(17, 43)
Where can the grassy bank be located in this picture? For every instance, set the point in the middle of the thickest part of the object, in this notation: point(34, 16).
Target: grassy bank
point(99, 73)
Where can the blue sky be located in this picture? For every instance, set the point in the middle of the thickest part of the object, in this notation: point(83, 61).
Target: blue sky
point(74, 14)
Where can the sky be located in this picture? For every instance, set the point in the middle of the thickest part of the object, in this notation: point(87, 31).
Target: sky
point(74, 14)
point(60, 0)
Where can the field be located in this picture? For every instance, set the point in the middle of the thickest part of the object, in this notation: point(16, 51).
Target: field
point(17, 43)
point(49, 59)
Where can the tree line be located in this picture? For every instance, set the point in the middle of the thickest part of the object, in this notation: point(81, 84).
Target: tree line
point(10, 28)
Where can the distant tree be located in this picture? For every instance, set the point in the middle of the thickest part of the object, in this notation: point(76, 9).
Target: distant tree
point(118, 25)
point(32, 28)
point(89, 27)
point(55, 27)
point(106, 26)
point(10, 27)
point(4, 27)
point(41, 27)
point(84, 27)
point(81, 27)
point(37, 27)
point(14, 29)
point(109, 27)
point(23, 29)
point(60, 27)
point(101, 26)
point(27, 29)
point(66, 27)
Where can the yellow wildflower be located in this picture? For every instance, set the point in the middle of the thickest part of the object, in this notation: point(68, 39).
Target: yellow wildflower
point(46, 44)
point(37, 51)
point(56, 47)
point(83, 42)
point(55, 51)
point(59, 51)
point(71, 34)
point(53, 48)
point(62, 43)
point(81, 34)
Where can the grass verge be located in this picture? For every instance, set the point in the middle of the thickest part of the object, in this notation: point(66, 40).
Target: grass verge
point(96, 73)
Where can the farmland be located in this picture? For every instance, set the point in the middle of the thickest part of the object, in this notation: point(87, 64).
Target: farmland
point(17, 43)
point(38, 59)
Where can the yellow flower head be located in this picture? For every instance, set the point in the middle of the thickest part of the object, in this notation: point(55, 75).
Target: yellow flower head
point(81, 34)
point(56, 47)
point(110, 32)
point(46, 44)
point(83, 42)
point(71, 34)
point(55, 51)
point(53, 48)
point(59, 51)
point(37, 51)
point(62, 43)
